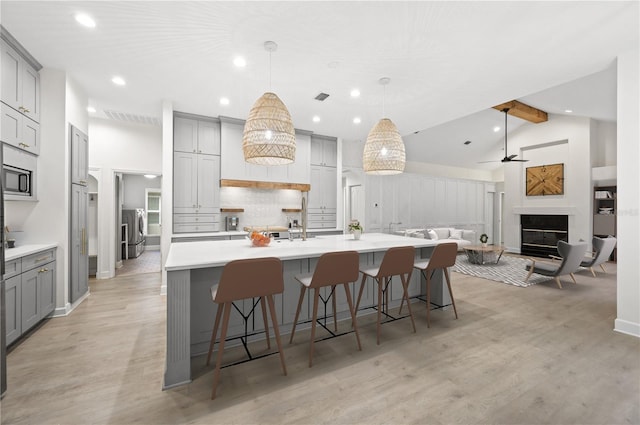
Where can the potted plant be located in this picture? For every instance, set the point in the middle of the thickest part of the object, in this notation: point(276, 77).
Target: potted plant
point(484, 239)
point(356, 229)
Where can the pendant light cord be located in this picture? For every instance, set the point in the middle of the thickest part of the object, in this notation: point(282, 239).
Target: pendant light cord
point(269, 70)
point(384, 100)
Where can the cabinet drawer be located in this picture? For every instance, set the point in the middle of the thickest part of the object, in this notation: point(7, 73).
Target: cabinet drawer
point(190, 227)
point(39, 258)
point(196, 218)
point(12, 268)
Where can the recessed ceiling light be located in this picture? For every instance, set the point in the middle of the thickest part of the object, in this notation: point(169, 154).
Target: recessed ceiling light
point(357, 120)
point(568, 111)
point(240, 62)
point(85, 20)
point(118, 81)
point(496, 129)
point(91, 109)
point(316, 118)
point(355, 93)
point(224, 100)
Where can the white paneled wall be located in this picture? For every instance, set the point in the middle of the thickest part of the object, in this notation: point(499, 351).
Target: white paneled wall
point(420, 201)
point(262, 207)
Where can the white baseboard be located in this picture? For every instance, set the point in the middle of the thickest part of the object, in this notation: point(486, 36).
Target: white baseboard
point(626, 327)
point(152, 247)
point(118, 264)
point(163, 290)
point(104, 275)
point(68, 308)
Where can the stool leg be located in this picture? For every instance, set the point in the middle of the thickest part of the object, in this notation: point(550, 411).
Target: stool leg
point(428, 280)
point(353, 314)
point(364, 278)
point(405, 286)
point(303, 289)
point(316, 296)
point(274, 320)
point(214, 332)
point(335, 314)
point(223, 336)
point(446, 274)
point(379, 282)
point(263, 305)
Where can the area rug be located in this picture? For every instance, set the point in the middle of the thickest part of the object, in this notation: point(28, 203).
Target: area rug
point(510, 270)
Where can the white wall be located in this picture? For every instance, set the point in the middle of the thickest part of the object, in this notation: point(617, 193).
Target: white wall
point(562, 139)
point(118, 147)
point(628, 316)
point(134, 189)
point(48, 220)
point(603, 143)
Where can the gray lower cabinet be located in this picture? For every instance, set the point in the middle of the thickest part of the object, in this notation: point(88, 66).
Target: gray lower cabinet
point(29, 292)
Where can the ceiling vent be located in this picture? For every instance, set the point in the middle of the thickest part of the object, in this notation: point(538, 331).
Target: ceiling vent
point(321, 97)
point(132, 118)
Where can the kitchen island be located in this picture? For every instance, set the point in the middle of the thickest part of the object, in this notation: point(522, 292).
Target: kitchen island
point(193, 267)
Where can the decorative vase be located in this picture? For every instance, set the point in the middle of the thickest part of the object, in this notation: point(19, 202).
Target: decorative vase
point(357, 234)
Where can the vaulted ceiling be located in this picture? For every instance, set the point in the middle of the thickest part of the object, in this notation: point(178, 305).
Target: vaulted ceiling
point(447, 60)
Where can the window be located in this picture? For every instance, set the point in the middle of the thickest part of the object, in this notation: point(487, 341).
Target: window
point(154, 218)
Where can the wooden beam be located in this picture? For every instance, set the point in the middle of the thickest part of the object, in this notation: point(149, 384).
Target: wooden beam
point(521, 110)
point(265, 185)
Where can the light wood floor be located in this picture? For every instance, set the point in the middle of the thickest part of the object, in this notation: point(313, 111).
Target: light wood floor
point(516, 355)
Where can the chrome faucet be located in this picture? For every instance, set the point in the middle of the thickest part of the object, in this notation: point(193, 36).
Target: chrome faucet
point(303, 218)
point(392, 223)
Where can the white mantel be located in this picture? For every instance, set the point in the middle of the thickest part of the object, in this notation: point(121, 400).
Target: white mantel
point(522, 210)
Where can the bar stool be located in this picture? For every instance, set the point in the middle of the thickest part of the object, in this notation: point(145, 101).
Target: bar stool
point(242, 279)
point(333, 268)
point(443, 256)
point(397, 261)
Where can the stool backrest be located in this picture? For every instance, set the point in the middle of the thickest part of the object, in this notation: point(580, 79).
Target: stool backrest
point(334, 268)
point(256, 277)
point(397, 261)
point(444, 255)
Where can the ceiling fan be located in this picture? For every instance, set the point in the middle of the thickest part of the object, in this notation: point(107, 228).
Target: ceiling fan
point(507, 158)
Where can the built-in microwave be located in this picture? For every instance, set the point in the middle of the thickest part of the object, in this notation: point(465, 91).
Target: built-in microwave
point(17, 181)
point(19, 174)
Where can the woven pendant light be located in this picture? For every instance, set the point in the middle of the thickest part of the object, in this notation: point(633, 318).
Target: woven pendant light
point(384, 150)
point(269, 137)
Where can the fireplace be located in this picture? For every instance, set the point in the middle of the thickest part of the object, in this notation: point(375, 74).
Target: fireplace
point(540, 234)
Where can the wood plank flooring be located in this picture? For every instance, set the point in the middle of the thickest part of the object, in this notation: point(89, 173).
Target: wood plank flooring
point(515, 355)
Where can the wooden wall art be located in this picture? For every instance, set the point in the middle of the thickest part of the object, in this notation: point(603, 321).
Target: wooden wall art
point(545, 180)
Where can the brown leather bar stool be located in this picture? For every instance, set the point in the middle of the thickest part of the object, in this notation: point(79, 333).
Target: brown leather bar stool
point(242, 279)
point(333, 268)
point(396, 262)
point(443, 256)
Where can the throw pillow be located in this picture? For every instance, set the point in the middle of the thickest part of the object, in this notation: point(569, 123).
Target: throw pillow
point(432, 234)
point(456, 234)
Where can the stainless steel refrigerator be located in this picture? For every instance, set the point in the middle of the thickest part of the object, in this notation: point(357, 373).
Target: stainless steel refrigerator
point(3, 340)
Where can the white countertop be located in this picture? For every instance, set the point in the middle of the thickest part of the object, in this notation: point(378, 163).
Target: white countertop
point(202, 254)
point(24, 250)
point(209, 234)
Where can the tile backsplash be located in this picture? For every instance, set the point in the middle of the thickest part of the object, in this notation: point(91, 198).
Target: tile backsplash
point(262, 207)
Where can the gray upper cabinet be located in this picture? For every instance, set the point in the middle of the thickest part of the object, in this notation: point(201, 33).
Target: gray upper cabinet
point(79, 157)
point(324, 151)
point(19, 131)
point(196, 136)
point(20, 83)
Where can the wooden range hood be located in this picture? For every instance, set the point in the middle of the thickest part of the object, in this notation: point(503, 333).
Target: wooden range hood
point(302, 187)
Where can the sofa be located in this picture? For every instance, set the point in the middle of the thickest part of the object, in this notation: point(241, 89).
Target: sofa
point(461, 237)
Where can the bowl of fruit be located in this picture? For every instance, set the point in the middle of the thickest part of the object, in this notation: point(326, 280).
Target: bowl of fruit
point(260, 239)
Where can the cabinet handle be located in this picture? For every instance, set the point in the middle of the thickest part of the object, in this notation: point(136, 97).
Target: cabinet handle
point(43, 270)
point(82, 243)
point(23, 109)
point(83, 182)
point(42, 258)
point(24, 145)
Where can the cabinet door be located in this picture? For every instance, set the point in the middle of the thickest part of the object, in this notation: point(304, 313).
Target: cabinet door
point(209, 137)
point(47, 288)
point(208, 183)
point(330, 153)
point(329, 188)
point(79, 258)
point(317, 149)
point(31, 136)
point(185, 182)
point(315, 199)
point(185, 135)
point(30, 92)
point(30, 299)
point(232, 167)
point(298, 172)
point(11, 76)
point(79, 157)
point(13, 308)
point(11, 125)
